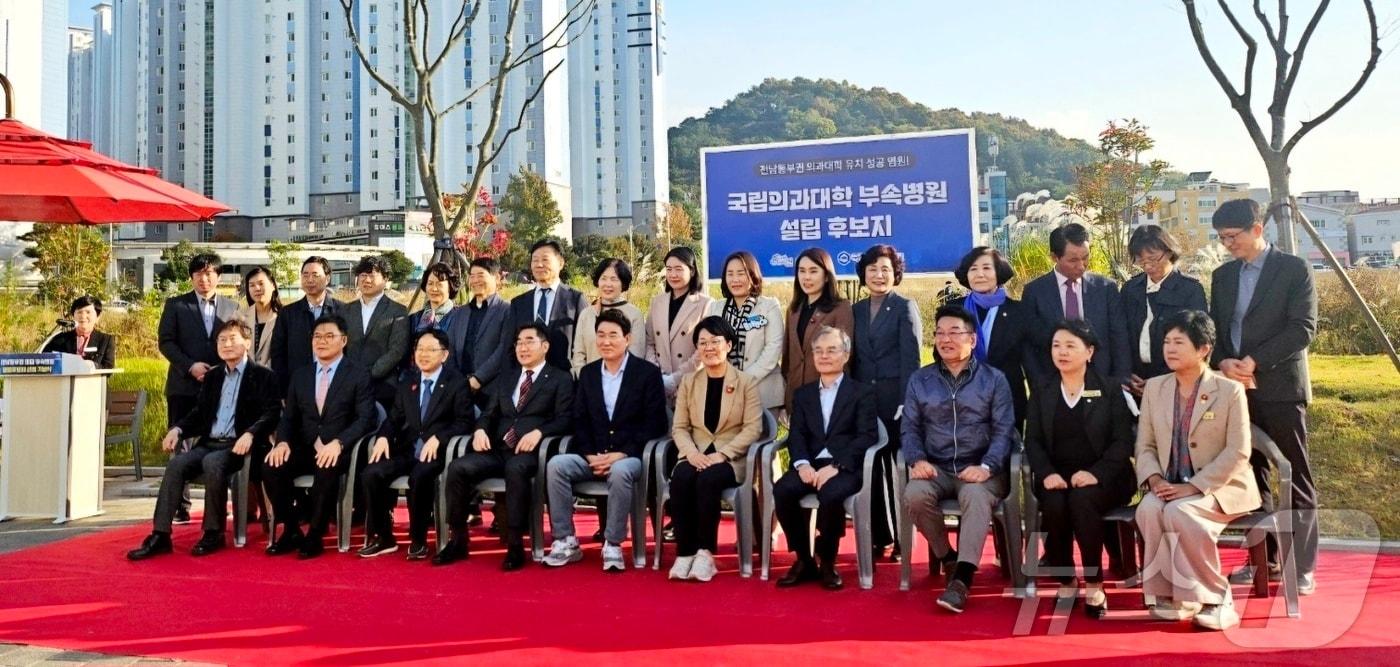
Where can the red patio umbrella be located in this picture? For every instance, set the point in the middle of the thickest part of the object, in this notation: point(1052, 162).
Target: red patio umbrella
point(47, 179)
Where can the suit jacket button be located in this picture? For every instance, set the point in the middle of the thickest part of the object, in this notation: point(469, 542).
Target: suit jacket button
point(1193, 445)
point(611, 432)
point(679, 356)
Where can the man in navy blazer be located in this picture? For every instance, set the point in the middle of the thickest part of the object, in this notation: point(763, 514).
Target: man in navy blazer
point(619, 404)
point(551, 302)
point(1265, 309)
point(1070, 292)
point(291, 338)
point(832, 425)
point(431, 407)
point(186, 335)
point(480, 333)
point(330, 406)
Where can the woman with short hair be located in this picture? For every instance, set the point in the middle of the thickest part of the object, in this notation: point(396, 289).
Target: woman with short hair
point(613, 278)
point(84, 339)
point(1151, 297)
point(264, 302)
point(1003, 323)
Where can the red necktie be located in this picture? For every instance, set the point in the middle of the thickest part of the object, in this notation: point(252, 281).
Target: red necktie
point(511, 437)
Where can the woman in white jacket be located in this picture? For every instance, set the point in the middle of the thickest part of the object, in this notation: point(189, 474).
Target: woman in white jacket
point(758, 320)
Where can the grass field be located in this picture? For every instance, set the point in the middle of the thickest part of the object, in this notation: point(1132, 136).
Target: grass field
point(1355, 438)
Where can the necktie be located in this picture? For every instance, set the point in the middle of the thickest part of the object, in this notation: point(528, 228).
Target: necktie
point(423, 398)
point(323, 383)
point(208, 312)
point(511, 436)
point(542, 313)
point(1071, 301)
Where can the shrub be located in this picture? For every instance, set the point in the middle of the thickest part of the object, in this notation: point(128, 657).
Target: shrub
point(1341, 328)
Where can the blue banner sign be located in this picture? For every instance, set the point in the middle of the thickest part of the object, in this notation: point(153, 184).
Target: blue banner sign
point(914, 191)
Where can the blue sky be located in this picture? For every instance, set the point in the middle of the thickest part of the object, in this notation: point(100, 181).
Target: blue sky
point(1071, 65)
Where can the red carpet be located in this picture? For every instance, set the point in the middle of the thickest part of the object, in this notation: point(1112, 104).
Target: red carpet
point(242, 607)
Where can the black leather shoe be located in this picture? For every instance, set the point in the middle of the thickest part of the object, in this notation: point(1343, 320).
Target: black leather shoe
point(212, 541)
point(455, 550)
point(378, 547)
point(1096, 611)
point(154, 545)
point(668, 533)
point(182, 516)
point(418, 551)
point(311, 547)
point(895, 553)
point(515, 558)
point(289, 542)
point(801, 571)
point(830, 579)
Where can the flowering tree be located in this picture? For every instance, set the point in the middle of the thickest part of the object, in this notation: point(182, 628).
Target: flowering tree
point(480, 235)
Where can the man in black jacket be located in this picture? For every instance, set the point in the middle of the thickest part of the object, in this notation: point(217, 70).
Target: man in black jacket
point(1265, 309)
point(551, 302)
point(832, 425)
point(186, 334)
point(378, 328)
point(291, 338)
point(521, 411)
point(431, 407)
point(237, 408)
point(329, 407)
point(619, 405)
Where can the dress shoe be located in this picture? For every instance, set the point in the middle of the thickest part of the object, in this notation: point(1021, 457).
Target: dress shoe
point(378, 547)
point(212, 541)
point(417, 551)
point(1095, 604)
point(668, 533)
point(289, 542)
point(801, 571)
point(1245, 574)
point(154, 545)
point(830, 579)
point(515, 558)
point(455, 550)
point(311, 547)
point(182, 516)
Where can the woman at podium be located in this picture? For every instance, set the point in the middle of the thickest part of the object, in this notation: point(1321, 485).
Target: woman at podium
point(84, 339)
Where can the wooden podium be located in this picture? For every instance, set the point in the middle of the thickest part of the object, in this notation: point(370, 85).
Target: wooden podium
point(51, 451)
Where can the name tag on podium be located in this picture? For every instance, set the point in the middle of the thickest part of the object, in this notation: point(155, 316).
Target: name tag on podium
point(44, 363)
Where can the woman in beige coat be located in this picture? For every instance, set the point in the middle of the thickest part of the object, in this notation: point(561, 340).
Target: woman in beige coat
point(671, 319)
point(260, 289)
point(717, 419)
point(612, 278)
point(758, 321)
point(1193, 448)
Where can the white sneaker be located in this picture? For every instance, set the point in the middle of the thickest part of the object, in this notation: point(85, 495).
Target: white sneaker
point(681, 570)
point(563, 552)
point(1218, 616)
point(704, 568)
point(1307, 584)
point(612, 557)
point(1166, 610)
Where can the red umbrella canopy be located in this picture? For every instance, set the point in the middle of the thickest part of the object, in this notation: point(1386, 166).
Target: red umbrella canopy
point(47, 179)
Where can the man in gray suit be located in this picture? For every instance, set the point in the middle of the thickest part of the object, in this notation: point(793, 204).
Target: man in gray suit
point(480, 333)
point(1265, 308)
point(186, 335)
point(378, 329)
point(1071, 292)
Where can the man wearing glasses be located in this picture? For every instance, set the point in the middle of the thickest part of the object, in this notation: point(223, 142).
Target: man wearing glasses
point(956, 433)
point(329, 406)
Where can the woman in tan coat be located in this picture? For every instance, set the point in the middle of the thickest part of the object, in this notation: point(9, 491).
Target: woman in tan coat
point(815, 304)
point(671, 319)
point(718, 417)
point(1193, 448)
point(758, 321)
point(260, 288)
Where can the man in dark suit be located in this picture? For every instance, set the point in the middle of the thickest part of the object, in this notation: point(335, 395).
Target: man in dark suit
point(1265, 308)
point(291, 338)
point(236, 409)
point(430, 409)
point(378, 328)
point(619, 404)
point(550, 302)
point(1070, 292)
point(481, 330)
point(329, 407)
point(84, 339)
point(186, 334)
point(531, 406)
point(833, 423)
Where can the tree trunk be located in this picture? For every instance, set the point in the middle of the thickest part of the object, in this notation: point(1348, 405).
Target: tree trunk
point(1279, 197)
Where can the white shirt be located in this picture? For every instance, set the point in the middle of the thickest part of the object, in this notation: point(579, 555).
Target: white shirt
point(827, 395)
point(549, 303)
point(1063, 283)
point(1145, 340)
point(515, 395)
point(367, 311)
point(612, 384)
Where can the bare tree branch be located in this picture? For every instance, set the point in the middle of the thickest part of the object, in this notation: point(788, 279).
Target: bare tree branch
point(1303, 44)
point(456, 33)
point(1251, 50)
point(1237, 101)
point(1309, 125)
point(1268, 28)
point(520, 120)
point(394, 92)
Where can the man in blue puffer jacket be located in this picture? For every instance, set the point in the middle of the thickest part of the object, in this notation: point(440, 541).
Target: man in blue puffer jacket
point(957, 432)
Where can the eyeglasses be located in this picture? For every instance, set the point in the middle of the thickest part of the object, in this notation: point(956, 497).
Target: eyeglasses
point(325, 336)
point(428, 349)
point(1231, 237)
point(230, 340)
point(944, 335)
point(1154, 260)
point(708, 343)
